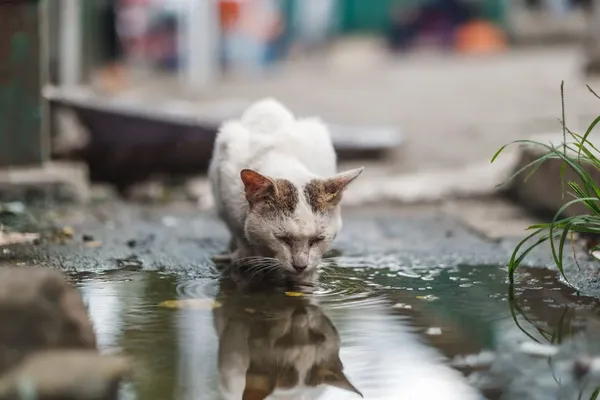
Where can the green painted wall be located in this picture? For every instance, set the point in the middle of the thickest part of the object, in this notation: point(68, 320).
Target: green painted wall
point(374, 15)
point(20, 84)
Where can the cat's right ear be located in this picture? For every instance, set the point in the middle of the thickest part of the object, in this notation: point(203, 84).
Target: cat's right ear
point(256, 186)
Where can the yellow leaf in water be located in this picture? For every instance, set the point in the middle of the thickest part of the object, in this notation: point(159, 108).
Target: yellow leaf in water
point(428, 297)
point(193, 304)
point(93, 243)
point(294, 294)
point(68, 231)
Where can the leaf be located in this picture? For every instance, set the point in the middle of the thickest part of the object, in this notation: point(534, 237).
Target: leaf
point(93, 244)
point(294, 294)
point(191, 304)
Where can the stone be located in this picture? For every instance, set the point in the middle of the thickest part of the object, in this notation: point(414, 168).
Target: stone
point(65, 375)
point(56, 181)
point(544, 192)
point(40, 310)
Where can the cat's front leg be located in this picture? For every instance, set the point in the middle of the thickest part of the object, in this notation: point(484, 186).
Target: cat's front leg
point(231, 256)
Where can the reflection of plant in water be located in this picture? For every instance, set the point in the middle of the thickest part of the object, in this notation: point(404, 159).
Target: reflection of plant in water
point(556, 336)
point(559, 334)
point(577, 155)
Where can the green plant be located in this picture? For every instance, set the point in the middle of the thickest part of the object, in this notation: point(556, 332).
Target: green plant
point(576, 154)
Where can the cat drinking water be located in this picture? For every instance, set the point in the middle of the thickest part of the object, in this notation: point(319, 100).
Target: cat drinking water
point(275, 185)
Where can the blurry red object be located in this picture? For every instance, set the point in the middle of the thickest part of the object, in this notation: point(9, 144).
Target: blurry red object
point(480, 37)
point(229, 11)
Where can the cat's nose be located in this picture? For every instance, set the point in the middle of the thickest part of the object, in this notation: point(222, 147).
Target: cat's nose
point(300, 267)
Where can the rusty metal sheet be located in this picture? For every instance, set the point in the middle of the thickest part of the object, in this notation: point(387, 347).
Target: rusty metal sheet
point(20, 84)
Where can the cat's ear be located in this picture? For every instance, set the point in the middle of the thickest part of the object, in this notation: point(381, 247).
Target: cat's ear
point(258, 386)
point(338, 379)
point(335, 186)
point(324, 194)
point(256, 186)
point(343, 179)
point(255, 394)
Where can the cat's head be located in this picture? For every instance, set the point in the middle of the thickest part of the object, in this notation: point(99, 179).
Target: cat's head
point(295, 224)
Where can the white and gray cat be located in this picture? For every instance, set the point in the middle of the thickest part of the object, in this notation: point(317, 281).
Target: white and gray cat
point(275, 185)
point(276, 346)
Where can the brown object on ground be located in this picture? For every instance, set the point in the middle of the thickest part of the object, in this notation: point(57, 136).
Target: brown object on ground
point(480, 37)
point(40, 310)
point(65, 375)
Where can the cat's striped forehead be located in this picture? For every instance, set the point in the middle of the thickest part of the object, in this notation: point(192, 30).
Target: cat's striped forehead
point(319, 195)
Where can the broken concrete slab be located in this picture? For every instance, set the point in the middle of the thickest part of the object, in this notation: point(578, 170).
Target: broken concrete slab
point(53, 181)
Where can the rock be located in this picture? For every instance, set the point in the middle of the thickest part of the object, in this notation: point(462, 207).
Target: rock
point(40, 310)
point(65, 375)
point(544, 191)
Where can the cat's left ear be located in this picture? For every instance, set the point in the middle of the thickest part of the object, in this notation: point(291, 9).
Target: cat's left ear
point(339, 380)
point(343, 179)
point(335, 186)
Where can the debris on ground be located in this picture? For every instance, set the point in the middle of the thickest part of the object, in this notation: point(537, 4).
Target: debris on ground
point(8, 238)
point(93, 244)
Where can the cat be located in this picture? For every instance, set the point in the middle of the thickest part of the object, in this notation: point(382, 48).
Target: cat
point(278, 346)
point(276, 188)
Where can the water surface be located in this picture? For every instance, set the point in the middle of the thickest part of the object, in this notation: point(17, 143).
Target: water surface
point(387, 333)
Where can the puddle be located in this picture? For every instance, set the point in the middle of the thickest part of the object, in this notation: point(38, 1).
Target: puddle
point(389, 333)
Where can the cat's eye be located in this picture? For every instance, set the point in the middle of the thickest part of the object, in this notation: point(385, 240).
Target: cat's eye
point(285, 240)
point(316, 240)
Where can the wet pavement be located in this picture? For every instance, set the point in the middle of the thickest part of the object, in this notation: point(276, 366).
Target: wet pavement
point(415, 305)
point(181, 239)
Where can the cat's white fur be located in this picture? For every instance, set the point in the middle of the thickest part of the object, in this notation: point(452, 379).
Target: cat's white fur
point(271, 141)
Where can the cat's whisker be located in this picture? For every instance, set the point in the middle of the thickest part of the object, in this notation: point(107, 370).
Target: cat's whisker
point(263, 268)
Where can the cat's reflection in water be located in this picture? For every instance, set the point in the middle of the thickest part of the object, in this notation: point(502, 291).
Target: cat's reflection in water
point(276, 345)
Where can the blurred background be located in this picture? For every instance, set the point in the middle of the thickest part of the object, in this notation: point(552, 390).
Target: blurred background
point(138, 88)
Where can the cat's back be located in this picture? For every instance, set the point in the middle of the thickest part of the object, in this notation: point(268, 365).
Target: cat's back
point(268, 126)
point(266, 134)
